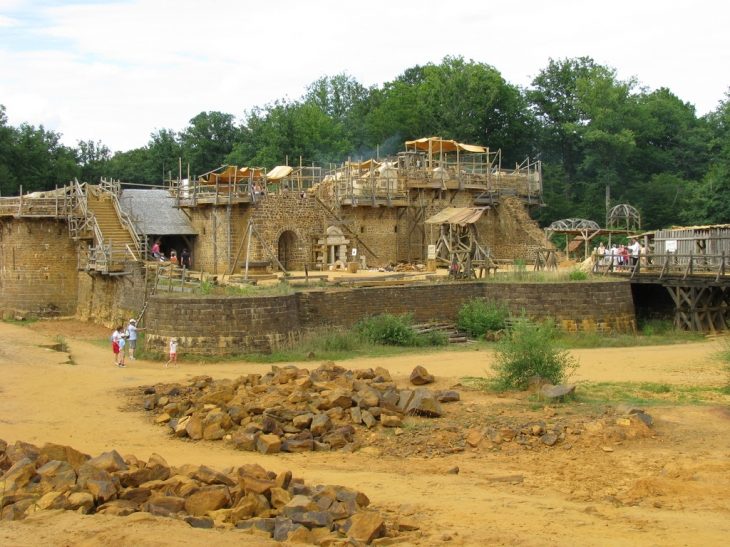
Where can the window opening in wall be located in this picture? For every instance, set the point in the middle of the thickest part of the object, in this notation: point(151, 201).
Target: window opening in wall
point(396, 229)
point(362, 229)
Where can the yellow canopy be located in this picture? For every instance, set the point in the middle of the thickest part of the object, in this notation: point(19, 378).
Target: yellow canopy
point(457, 215)
point(231, 175)
point(279, 172)
point(439, 145)
point(365, 165)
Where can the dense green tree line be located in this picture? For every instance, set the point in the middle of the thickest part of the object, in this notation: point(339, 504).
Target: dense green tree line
point(602, 140)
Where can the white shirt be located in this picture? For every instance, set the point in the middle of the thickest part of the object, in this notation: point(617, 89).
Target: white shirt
point(132, 330)
point(116, 336)
point(635, 248)
point(173, 347)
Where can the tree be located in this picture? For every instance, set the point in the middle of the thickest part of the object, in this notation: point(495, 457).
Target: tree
point(208, 140)
point(555, 102)
point(710, 203)
point(93, 157)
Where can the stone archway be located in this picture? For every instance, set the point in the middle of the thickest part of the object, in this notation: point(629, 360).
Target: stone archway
point(287, 247)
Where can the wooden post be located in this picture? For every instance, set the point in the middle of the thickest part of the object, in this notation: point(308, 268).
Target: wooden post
point(169, 280)
point(248, 247)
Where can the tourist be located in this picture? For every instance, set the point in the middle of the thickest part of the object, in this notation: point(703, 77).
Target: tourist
point(132, 331)
point(613, 256)
point(601, 254)
point(116, 336)
point(642, 254)
point(185, 259)
point(173, 257)
point(635, 248)
point(156, 249)
point(122, 342)
point(285, 190)
point(303, 194)
point(173, 352)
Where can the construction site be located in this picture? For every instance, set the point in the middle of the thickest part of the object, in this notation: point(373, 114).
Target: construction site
point(439, 203)
point(455, 462)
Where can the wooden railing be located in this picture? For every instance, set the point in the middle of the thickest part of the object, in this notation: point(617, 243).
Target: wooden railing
point(665, 265)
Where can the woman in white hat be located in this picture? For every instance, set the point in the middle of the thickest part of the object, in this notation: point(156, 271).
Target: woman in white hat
point(132, 337)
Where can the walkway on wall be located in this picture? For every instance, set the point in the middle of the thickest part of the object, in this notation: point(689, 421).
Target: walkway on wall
point(699, 285)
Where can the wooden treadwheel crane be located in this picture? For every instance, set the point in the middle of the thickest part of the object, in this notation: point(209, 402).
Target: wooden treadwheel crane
point(458, 244)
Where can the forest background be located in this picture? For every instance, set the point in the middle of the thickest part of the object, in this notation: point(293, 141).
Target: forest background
point(590, 129)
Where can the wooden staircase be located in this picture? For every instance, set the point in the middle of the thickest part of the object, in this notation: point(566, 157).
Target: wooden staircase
point(110, 225)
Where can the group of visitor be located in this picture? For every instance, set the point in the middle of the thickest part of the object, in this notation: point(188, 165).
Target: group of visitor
point(127, 338)
point(183, 261)
point(622, 257)
point(123, 338)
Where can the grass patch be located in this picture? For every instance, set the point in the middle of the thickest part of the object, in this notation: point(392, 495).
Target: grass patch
point(62, 343)
point(20, 323)
point(649, 393)
point(597, 394)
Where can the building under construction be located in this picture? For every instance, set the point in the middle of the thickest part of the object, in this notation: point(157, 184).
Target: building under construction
point(377, 212)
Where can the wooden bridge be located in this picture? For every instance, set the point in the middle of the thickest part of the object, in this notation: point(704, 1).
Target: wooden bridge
point(699, 285)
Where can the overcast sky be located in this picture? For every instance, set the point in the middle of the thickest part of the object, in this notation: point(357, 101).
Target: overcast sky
point(116, 71)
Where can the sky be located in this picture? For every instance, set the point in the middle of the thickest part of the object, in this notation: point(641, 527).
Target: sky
point(116, 71)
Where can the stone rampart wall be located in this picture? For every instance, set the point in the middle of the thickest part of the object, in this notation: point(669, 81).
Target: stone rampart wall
point(228, 326)
point(219, 326)
point(111, 300)
point(38, 267)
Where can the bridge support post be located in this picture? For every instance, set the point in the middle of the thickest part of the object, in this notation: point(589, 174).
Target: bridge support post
point(701, 308)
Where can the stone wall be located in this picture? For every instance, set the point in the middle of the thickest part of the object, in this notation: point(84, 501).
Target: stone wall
point(111, 300)
point(382, 234)
point(575, 306)
point(229, 326)
point(38, 267)
point(219, 326)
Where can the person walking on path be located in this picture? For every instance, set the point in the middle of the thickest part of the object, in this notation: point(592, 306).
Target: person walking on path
point(132, 331)
point(122, 343)
point(116, 336)
point(173, 353)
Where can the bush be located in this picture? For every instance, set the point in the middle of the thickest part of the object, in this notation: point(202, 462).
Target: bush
point(651, 327)
point(396, 330)
point(577, 275)
point(476, 317)
point(530, 351)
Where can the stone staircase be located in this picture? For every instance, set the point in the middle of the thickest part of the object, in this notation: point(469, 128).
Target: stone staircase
point(110, 225)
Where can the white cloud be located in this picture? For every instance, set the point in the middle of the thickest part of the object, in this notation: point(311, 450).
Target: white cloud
point(6, 21)
point(117, 71)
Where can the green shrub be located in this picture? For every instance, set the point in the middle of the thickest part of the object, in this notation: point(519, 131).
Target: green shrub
point(396, 330)
point(531, 351)
point(478, 316)
point(651, 327)
point(577, 275)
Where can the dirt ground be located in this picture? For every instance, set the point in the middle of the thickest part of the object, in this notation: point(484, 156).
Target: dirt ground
point(678, 477)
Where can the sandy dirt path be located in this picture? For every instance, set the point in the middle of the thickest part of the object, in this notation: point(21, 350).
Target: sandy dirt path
point(685, 469)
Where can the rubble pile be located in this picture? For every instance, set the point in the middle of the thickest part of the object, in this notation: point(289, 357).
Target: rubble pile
point(291, 409)
point(267, 504)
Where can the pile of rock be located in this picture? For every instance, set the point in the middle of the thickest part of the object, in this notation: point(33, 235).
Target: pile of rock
point(291, 409)
point(247, 497)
